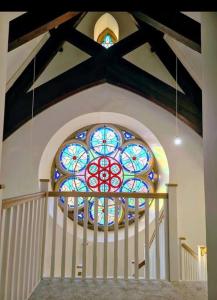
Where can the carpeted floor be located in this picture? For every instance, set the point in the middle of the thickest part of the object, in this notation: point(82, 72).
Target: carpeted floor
point(119, 290)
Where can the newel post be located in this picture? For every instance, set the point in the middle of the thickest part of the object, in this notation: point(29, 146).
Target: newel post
point(174, 258)
point(44, 183)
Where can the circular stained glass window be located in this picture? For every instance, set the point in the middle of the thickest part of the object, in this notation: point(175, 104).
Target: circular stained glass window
point(104, 158)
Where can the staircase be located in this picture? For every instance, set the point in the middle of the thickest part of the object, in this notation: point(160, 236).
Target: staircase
point(29, 248)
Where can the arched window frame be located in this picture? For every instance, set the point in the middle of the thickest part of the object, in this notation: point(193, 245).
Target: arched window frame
point(102, 35)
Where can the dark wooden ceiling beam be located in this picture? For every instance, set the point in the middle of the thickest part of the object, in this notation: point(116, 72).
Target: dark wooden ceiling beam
point(42, 60)
point(184, 79)
point(83, 42)
point(93, 72)
point(70, 82)
point(175, 24)
point(168, 58)
point(129, 43)
point(30, 25)
point(93, 48)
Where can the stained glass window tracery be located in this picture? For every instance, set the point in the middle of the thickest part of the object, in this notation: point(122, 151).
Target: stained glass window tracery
point(107, 41)
point(104, 158)
point(107, 38)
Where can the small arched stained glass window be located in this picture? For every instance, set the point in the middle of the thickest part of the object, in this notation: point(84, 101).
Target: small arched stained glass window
point(107, 38)
point(107, 41)
point(104, 158)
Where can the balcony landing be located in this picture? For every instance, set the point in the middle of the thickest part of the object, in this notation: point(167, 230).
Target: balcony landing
point(119, 290)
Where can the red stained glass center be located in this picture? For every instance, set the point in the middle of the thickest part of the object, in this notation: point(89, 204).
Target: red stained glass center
point(104, 174)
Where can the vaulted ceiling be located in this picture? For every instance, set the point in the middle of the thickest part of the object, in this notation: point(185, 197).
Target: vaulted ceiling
point(124, 64)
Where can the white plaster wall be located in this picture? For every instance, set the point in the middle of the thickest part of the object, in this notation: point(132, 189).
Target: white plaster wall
point(23, 150)
point(104, 22)
point(148, 61)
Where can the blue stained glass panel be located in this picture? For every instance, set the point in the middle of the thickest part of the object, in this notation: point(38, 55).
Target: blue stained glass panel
point(73, 184)
point(57, 175)
point(131, 216)
point(135, 158)
point(104, 140)
point(81, 135)
point(107, 41)
point(74, 157)
point(128, 135)
point(151, 176)
point(81, 216)
point(135, 185)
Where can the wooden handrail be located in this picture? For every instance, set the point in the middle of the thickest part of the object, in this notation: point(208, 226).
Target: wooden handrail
point(10, 202)
point(109, 194)
point(189, 250)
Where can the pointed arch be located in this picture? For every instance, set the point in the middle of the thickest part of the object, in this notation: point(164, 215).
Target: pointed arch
point(106, 24)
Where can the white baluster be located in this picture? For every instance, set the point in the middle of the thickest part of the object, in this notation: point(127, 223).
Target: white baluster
point(84, 257)
point(157, 243)
point(136, 239)
point(29, 248)
point(24, 250)
point(126, 241)
point(53, 246)
point(74, 245)
point(166, 237)
point(116, 239)
point(105, 256)
point(65, 216)
point(147, 264)
point(44, 188)
point(19, 237)
point(95, 237)
point(5, 256)
point(12, 253)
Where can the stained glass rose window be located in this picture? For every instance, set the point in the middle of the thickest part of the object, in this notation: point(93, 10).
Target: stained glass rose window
point(104, 158)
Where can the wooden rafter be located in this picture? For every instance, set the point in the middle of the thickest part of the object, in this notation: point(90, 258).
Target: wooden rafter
point(42, 59)
point(93, 72)
point(30, 25)
point(104, 66)
point(82, 76)
point(176, 24)
point(121, 48)
point(168, 58)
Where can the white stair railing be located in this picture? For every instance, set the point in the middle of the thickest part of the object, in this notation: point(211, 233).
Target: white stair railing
point(193, 265)
point(21, 236)
point(98, 248)
point(30, 238)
